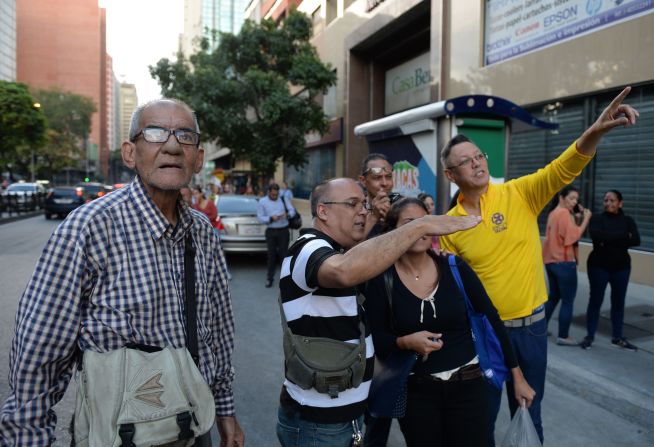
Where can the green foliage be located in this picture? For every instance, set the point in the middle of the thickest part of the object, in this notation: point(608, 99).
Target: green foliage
point(22, 125)
point(242, 91)
point(69, 120)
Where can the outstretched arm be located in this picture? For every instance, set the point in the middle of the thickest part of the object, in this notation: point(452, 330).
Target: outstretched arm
point(369, 258)
point(615, 115)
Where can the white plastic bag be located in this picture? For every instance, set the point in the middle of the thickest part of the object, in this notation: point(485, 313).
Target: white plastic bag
point(521, 432)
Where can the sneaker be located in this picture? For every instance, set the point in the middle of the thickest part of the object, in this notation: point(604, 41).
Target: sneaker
point(269, 283)
point(624, 344)
point(569, 341)
point(586, 343)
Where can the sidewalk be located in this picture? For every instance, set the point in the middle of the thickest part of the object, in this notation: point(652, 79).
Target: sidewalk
point(6, 217)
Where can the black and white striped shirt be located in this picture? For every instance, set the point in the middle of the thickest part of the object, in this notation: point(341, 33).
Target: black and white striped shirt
point(315, 311)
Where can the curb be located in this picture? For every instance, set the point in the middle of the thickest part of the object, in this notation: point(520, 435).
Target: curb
point(22, 216)
point(635, 405)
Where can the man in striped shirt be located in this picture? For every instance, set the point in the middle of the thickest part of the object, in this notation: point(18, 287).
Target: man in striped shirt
point(317, 285)
point(113, 273)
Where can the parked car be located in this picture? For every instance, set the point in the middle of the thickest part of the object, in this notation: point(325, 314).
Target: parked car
point(93, 190)
point(23, 196)
point(241, 231)
point(62, 200)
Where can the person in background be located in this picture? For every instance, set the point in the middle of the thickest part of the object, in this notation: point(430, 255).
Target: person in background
point(377, 179)
point(560, 258)
point(112, 274)
point(205, 206)
point(447, 403)
point(271, 211)
point(506, 251)
point(612, 233)
point(319, 299)
point(428, 200)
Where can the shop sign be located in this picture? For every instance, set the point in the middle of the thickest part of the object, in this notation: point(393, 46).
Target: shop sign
point(407, 85)
point(516, 27)
point(406, 179)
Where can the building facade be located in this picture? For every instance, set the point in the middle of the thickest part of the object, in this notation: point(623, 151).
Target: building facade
point(561, 60)
point(127, 102)
point(202, 16)
point(8, 40)
point(62, 44)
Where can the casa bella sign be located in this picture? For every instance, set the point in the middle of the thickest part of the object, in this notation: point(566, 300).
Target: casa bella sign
point(407, 85)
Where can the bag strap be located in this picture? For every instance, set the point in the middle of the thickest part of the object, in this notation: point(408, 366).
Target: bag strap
point(457, 277)
point(191, 308)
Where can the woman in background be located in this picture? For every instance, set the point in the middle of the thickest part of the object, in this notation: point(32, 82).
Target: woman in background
point(612, 232)
point(560, 259)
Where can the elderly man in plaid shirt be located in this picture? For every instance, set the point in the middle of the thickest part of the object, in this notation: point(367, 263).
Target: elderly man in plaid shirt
point(113, 273)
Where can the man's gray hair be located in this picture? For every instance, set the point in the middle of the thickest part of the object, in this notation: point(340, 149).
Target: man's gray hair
point(135, 123)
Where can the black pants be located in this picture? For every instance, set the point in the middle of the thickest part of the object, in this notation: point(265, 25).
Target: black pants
point(451, 413)
point(277, 241)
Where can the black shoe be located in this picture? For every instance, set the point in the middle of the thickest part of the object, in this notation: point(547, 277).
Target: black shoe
point(624, 344)
point(269, 283)
point(586, 343)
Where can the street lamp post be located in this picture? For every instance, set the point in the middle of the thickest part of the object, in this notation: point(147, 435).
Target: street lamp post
point(37, 106)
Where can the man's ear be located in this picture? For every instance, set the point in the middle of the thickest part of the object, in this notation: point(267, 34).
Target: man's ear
point(199, 160)
point(321, 212)
point(449, 175)
point(128, 151)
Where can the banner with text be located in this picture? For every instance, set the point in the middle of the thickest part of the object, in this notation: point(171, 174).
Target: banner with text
point(407, 85)
point(516, 27)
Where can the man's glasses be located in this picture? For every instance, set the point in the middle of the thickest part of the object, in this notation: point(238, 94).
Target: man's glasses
point(357, 205)
point(161, 135)
point(478, 158)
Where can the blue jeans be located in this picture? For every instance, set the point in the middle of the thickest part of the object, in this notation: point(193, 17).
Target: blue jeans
point(598, 279)
point(562, 277)
point(295, 432)
point(530, 346)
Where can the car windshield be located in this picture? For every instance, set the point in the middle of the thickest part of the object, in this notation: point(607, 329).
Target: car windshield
point(92, 188)
point(21, 188)
point(237, 205)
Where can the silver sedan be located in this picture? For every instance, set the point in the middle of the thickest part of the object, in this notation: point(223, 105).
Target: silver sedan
point(240, 231)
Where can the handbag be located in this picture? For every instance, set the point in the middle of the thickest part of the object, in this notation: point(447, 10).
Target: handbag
point(294, 222)
point(487, 345)
point(142, 395)
point(388, 391)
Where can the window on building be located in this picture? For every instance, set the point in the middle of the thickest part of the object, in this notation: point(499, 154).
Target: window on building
point(321, 165)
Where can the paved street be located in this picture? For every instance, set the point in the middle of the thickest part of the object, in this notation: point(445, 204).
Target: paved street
point(602, 397)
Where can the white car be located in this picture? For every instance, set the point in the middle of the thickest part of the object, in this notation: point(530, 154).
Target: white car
point(24, 196)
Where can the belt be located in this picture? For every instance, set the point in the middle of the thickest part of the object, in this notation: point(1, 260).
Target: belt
point(468, 372)
point(538, 315)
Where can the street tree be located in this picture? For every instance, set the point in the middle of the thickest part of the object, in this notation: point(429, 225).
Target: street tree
point(256, 92)
point(22, 126)
point(69, 124)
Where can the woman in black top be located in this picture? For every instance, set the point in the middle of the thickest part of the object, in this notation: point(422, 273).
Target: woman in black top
point(612, 233)
point(447, 403)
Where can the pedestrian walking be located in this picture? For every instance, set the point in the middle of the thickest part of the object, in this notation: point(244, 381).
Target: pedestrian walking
point(612, 233)
point(560, 258)
point(272, 211)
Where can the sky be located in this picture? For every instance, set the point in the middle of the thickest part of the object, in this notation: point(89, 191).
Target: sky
point(139, 33)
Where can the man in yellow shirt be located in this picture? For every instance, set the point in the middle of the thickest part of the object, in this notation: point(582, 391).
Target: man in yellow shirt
point(505, 249)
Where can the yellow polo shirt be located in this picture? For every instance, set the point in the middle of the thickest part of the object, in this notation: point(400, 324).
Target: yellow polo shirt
point(505, 249)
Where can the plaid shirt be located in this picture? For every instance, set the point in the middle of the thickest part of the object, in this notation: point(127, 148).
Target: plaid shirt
point(113, 273)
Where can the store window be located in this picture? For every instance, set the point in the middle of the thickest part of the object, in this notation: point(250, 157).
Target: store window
point(623, 161)
point(321, 165)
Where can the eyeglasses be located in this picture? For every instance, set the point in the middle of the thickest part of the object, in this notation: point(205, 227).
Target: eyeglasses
point(354, 204)
point(478, 158)
point(161, 135)
point(377, 171)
